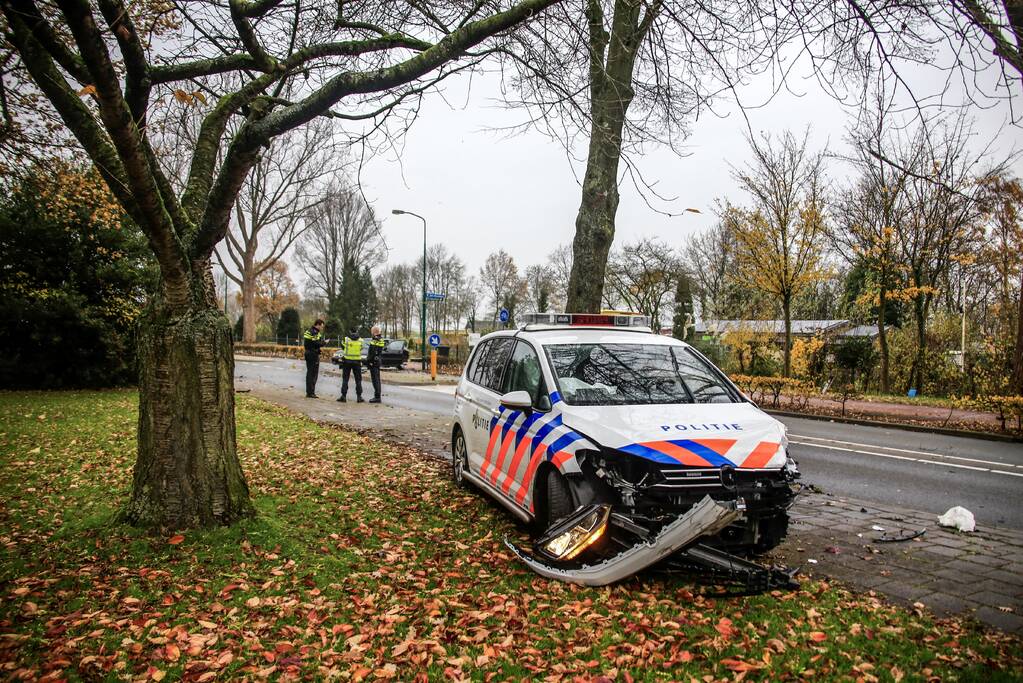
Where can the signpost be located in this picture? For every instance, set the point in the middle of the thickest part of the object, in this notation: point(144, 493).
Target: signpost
point(504, 316)
point(434, 343)
point(435, 296)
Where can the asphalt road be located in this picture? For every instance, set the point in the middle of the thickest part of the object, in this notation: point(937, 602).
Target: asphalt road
point(916, 470)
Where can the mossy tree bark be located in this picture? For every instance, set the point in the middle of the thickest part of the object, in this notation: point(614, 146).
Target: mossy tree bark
point(187, 473)
point(612, 63)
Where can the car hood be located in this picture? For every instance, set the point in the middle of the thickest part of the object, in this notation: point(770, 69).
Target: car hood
point(699, 435)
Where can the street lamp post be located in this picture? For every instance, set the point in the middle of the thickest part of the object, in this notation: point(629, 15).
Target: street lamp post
point(422, 316)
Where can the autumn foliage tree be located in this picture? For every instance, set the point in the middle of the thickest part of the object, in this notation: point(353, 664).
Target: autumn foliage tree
point(258, 69)
point(780, 239)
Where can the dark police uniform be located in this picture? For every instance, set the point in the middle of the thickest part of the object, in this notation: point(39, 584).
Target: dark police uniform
point(351, 364)
point(313, 341)
point(376, 349)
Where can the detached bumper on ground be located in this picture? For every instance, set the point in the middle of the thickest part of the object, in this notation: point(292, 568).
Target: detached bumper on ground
point(706, 518)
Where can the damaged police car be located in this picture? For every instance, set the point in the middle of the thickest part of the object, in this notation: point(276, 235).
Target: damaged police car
point(623, 448)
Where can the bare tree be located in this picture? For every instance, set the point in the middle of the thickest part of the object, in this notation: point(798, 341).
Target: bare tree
point(499, 276)
point(867, 219)
point(559, 261)
point(642, 277)
point(98, 72)
point(781, 239)
point(709, 258)
point(341, 230)
point(445, 274)
point(942, 220)
point(471, 296)
point(272, 206)
point(1002, 201)
point(542, 287)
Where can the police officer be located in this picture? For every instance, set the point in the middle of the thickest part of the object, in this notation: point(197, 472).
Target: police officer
point(376, 349)
point(313, 341)
point(351, 364)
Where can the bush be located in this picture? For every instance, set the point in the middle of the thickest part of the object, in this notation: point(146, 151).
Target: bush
point(74, 276)
point(289, 326)
point(281, 351)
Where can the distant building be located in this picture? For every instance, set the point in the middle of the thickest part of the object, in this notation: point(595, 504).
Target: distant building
point(860, 332)
point(708, 329)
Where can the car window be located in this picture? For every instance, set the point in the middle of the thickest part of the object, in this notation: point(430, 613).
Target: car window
point(491, 369)
point(701, 380)
point(523, 373)
point(396, 346)
point(473, 372)
point(634, 374)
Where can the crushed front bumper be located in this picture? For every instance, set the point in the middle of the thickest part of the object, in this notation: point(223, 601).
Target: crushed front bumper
point(706, 518)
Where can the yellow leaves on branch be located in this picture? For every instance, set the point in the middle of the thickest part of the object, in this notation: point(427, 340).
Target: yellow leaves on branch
point(778, 259)
point(74, 190)
point(189, 98)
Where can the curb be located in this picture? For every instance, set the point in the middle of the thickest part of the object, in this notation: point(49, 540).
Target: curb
point(986, 436)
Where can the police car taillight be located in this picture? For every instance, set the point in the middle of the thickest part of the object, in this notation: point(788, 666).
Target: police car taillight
point(587, 319)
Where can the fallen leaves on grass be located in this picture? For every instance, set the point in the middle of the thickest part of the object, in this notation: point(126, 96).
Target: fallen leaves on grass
point(366, 563)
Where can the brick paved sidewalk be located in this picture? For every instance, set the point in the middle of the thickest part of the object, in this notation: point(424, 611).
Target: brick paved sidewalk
point(894, 412)
point(978, 574)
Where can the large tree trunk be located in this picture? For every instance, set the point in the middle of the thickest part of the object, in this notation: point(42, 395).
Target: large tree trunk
point(611, 94)
point(187, 473)
point(882, 341)
point(1017, 358)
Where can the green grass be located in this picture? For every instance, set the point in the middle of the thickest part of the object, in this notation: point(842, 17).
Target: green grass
point(366, 562)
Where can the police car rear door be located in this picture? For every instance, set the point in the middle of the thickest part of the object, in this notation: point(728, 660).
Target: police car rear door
point(510, 453)
point(483, 399)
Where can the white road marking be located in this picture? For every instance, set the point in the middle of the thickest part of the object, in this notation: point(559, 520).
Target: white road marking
point(906, 450)
point(909, 459)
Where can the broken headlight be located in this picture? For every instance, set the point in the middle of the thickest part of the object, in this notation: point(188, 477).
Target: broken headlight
point(790, 469)
point(575, 533)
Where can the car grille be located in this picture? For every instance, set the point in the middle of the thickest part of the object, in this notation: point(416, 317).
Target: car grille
point(675, 479)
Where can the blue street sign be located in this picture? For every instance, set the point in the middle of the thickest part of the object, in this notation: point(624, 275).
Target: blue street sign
point(504, 315)
point(434, 340)
point(435, 296)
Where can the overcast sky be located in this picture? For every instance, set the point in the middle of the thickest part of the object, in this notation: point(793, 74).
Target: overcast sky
point(481, 190)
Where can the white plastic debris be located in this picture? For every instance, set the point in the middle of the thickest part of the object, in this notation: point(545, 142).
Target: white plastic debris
point(958, 518)
point(812, 561)
point(877, 528)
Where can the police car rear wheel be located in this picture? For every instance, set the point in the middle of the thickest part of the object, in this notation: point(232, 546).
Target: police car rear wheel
point(459, 458)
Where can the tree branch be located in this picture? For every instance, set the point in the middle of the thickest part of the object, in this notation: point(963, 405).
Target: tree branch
point(126, 138)
point(353, 83)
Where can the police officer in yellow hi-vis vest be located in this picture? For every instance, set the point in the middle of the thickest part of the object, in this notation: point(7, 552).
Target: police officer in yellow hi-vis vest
point(376, 348)
point(351, 363)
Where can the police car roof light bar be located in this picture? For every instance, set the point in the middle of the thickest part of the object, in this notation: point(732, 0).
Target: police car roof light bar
point(586, 319)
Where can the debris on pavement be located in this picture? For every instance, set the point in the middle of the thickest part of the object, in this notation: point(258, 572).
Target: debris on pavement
point(902, 535)
point(958, 518)
point(877, 528)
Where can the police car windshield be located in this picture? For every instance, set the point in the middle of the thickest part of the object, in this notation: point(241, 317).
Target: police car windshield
point(634, 374)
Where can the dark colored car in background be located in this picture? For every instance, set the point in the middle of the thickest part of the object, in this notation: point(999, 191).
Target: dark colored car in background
point(395, 353)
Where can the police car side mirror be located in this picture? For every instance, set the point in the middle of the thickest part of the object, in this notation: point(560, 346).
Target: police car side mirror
point(517, 400)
